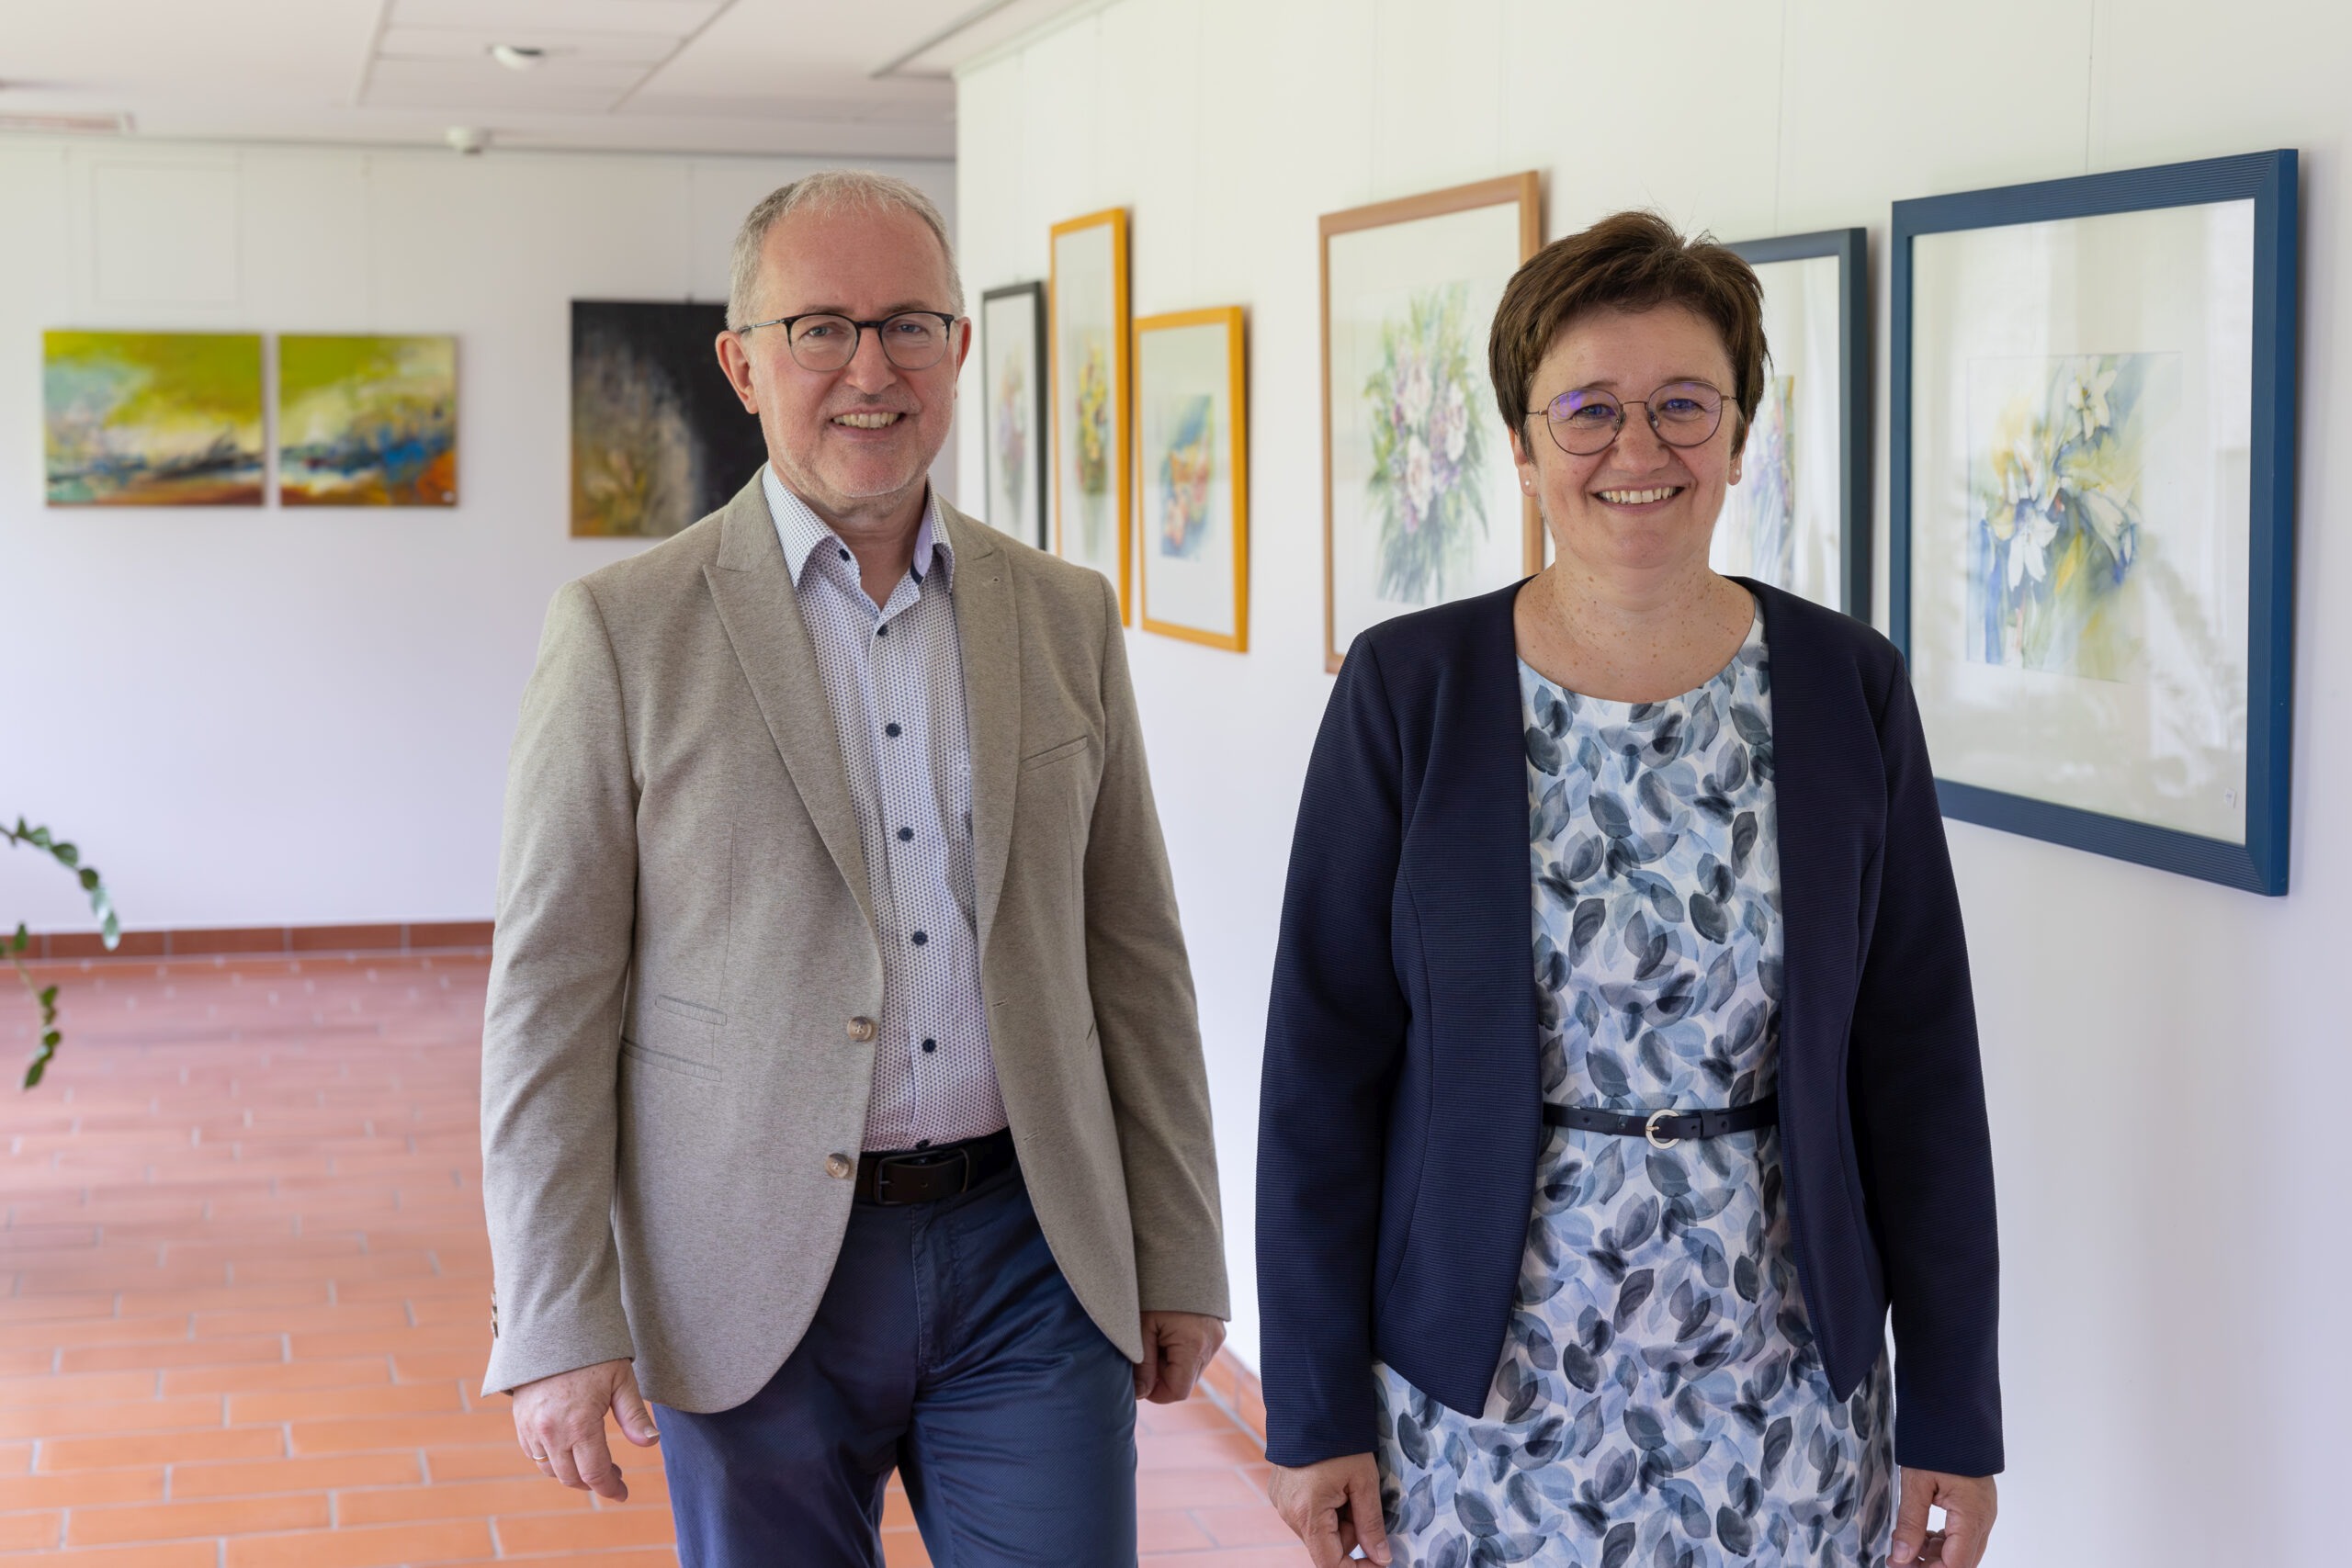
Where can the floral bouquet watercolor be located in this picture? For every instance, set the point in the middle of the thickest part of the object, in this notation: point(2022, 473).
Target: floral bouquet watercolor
point(1185, 475)
point(1012, 437)
point(2057, 502)
point(1094, 439)
point(1428, 452)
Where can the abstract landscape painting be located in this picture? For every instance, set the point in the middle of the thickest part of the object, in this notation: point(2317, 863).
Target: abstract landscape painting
point(659, 438)
point(366, 421)
point(153, 419)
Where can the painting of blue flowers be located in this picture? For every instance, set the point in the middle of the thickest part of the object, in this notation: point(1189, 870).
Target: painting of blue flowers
point(2058, 496)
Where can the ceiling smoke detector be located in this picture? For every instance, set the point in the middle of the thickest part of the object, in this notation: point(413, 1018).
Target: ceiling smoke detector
point(518, 56)
point(468, 140)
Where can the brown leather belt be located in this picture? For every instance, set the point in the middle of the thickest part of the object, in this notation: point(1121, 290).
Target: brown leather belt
point(926, 1176)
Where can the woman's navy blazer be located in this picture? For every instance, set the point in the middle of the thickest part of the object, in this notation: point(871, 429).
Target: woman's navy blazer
point(1400, 1124)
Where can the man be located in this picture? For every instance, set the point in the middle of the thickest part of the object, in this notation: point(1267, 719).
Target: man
point(842, 1088)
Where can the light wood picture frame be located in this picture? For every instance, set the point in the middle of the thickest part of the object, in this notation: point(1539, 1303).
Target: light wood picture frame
point(1094, 427)
point(1422, 503)
point(1192, 422)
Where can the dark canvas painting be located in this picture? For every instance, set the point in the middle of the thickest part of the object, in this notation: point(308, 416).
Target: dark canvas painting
point(658, 436)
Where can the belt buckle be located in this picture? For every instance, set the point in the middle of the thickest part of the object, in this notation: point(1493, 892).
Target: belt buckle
point(1649, 1131)
point(924, 1160)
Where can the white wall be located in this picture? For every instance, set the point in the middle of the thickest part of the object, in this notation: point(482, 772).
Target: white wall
point(2176, 1283)
point(263, 716)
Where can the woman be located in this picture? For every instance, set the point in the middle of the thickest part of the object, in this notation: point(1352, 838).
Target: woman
point(1594, 1270)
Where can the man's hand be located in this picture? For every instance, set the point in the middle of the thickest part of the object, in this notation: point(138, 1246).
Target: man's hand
point(560, 1422)
point(1334, 1507)
point(1176, 1350)
point(1968, 1504)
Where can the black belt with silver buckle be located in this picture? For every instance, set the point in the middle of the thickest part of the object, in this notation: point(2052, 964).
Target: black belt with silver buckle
point(1664, 1129)
point(926, 1176)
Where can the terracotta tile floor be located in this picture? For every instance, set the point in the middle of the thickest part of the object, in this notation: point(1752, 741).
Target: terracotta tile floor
point(246, 1291)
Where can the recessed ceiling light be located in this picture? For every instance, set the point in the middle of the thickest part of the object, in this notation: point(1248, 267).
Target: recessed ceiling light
point(518, 56)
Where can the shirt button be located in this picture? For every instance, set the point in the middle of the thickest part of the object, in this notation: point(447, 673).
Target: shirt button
point(920, 939)
point(840, 1167)
point(881, 631)
point(860, 1029)
point(930, 1045)
point(892, 730)
point(906, 835)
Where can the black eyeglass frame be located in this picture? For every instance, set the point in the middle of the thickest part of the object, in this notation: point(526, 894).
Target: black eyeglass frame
point(788, 323)
point(1723, 398)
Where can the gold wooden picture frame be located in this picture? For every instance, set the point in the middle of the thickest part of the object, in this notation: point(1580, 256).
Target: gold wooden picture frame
point(1420, 492)
point(1192, 424)
point(1093, 425)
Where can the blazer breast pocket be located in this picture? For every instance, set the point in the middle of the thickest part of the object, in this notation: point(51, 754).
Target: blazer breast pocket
point(1075, 747)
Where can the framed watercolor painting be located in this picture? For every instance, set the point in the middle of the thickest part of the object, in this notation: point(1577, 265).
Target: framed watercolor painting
point(1420, 502)
point(152, 419)
point(1092, 435)
point(2092, 571)
point(1799, 518)
point(1014, 410)
point(366, 421)
point(1193, 476)
point(659, 438)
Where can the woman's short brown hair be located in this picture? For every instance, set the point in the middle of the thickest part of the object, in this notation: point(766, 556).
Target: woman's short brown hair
point(1628, 261)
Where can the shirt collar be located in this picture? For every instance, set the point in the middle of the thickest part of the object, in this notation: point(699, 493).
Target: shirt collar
point(800, 531)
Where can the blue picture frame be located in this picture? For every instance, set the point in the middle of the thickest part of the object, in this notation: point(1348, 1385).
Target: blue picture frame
point(2269, 181)
point(1851, 247)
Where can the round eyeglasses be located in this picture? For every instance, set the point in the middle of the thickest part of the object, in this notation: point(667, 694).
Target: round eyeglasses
point(821, 341)
point(1586, 421)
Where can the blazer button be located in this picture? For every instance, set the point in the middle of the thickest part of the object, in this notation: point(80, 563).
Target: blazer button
point(839, 1167)
point(860, 1029)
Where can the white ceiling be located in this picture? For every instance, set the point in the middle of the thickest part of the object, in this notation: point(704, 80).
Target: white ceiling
point(774, 76)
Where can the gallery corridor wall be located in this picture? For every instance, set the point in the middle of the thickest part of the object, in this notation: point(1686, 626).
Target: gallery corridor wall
point(264, 717)
point(2175, 1253)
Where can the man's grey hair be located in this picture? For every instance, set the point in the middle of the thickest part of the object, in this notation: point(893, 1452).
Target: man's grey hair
point(853, 190)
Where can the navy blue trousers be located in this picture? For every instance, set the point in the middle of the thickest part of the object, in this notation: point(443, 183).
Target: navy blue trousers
point(947, 1346)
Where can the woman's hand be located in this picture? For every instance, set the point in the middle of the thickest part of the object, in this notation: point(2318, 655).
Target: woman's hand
point(1968, 1504)
point(1334, 1507)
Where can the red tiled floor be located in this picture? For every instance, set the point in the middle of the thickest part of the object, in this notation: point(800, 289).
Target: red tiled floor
point(244, 1295)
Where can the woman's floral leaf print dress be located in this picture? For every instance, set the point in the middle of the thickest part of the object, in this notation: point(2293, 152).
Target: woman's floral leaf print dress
point(1659, 1403)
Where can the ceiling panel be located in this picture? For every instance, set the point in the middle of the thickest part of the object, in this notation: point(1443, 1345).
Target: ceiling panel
point(480, 88)
point(456, 43)
point(674, 19)
point(768, 76)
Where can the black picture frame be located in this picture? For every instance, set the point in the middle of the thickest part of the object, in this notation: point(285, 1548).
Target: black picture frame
point(2269, 181)
point(1041, 415)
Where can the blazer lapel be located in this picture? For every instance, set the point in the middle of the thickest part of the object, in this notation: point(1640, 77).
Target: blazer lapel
point(752, 588)
point(988, 629)
point(1820, 849)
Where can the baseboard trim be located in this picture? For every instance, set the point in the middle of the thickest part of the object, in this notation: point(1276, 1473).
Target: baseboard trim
point(1236, 1390)
point(250, 941)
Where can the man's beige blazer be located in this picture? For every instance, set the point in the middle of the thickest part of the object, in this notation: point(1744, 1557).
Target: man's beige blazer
point(675, 1059)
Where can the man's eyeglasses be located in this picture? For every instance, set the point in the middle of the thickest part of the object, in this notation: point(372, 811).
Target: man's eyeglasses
point(911, 340)
point(1681, 413)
